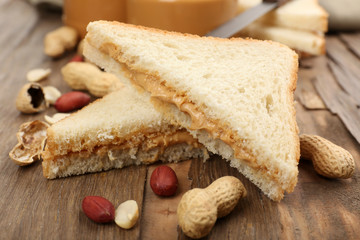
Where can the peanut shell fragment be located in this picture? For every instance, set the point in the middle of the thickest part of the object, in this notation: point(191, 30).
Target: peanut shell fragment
point(38, 74)
point(51, 94)
point(30, 137)
point(31, 98)
point(22, 156)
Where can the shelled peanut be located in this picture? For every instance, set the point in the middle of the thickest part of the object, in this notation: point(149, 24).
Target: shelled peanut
point(163, 181)
point(72, 101)
point(101, 210)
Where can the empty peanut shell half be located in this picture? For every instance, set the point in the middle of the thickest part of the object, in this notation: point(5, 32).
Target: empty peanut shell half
point(31, 137)
point(31, 134)
point(31, 98)
point(22, 156)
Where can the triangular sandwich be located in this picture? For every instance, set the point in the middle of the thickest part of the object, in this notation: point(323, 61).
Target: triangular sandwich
point(235, 96)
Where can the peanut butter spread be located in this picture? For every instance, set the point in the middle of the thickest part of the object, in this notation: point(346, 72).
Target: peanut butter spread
point(168, 140)
point(198, 118)
point(147, 143)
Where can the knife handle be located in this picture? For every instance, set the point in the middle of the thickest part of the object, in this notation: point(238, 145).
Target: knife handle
point(280, 2)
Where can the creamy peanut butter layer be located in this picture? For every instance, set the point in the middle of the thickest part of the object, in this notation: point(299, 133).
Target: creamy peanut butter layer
point(147, 143)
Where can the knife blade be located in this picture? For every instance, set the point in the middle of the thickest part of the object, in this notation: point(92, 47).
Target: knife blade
point(234, 25)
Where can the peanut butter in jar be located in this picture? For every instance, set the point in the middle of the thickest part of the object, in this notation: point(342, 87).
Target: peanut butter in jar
point(187, 16)
point(78, 13)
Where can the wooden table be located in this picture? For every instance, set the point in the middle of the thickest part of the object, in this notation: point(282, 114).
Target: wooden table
point(32, 207)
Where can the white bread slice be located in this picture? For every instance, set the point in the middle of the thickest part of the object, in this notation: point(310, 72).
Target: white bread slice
point(118, 130)
point(305, 42)
point(297, 14)
point(239, 94)
point(299, 24)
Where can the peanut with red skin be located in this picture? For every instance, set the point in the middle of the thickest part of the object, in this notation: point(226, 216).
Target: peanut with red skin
point(71, 101)
point(98, 209)
point(77, 58)
point(163, 181)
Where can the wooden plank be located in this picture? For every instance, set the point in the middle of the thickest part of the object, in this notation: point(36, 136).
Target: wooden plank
point(352, 40)
point(41, 209)
point(317, 194)
point(160, 219)
point(239, 222)
point(339, 53)
point(35, 208)
point(22, 18)
point(348, 83)
point(305, 92)
point(338, 102)
point(302, 214)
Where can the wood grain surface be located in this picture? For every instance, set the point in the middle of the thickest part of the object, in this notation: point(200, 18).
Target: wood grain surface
point(32, 207)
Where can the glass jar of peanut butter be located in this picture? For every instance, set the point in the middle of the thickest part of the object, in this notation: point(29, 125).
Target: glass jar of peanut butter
point(78, 13)
point(187, 16)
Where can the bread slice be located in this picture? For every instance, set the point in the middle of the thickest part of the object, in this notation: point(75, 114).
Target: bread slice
point(305, 42)
point(299, 24)
point(234, 95)
point(118, 130)
point(305, 15)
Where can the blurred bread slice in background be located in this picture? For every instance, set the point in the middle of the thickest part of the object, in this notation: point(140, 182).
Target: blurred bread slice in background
point(299, 24)
point(304, 42)
point(296, 14)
